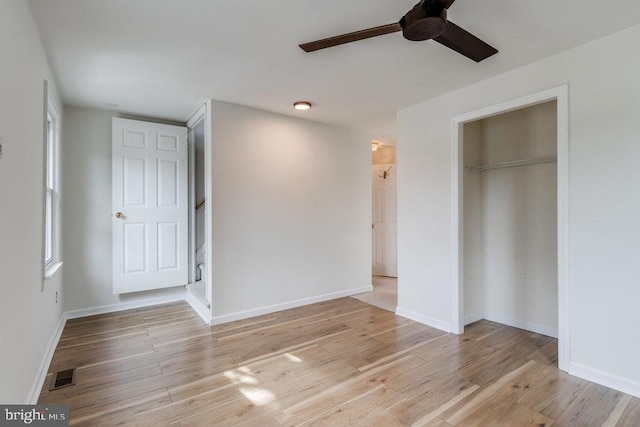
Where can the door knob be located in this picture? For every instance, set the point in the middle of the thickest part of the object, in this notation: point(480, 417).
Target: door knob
point(119, 215)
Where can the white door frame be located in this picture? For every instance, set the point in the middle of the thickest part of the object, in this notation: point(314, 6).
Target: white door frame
point(203, 114)
point(561, 95)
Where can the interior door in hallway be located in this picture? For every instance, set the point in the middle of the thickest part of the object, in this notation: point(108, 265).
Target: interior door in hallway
point(149, 201)
point(384, 229)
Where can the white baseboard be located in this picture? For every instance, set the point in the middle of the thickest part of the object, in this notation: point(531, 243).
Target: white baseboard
point(426, 320)
point(34, 394)
point(538, 329)
point(198, 307)
point(111, 308)
point(240, 315)
point(473, 318)
point(606, 379)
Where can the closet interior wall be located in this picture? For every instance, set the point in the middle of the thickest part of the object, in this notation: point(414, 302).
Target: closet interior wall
point(510, 220)
point(199, 184)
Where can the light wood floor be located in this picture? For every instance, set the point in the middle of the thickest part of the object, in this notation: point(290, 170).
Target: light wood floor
point(341, 362)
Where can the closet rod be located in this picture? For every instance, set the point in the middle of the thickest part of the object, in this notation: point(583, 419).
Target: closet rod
point(511, 164)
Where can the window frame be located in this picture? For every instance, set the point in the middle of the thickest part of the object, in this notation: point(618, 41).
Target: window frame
point(51, 258)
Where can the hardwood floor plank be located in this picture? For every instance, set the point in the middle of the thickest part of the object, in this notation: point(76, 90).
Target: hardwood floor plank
point(500, 396)
point(399, 353)
point(438, 423)
point(547, 354)
point(554, 394)
point(616, 414)
point(631, 414)
point(481, 329)
point(123, 412)
point(593, 406)
point(229, 414)
point(87, 385)
point(456, 359)
point(265, 372)
point(425, 407)
point(339, 362)
point(364, 360)
point(97, 317)
point(173, 412)
point(333, 396)
point(489, 368)
point(94, 354)
point(379, 323)
point(359, 410)
point(104, 336)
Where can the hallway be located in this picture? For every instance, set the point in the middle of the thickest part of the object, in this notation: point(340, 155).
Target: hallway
point(384, 294)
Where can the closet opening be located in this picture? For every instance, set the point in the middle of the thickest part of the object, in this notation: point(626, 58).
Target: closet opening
point(510, 186)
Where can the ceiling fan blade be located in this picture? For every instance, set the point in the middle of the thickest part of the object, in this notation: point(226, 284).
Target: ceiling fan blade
point(444, 3)
point(350, 37)
point(465, 43)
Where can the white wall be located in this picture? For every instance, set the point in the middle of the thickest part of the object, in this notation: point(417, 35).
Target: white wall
point(28, 310)
point(87, 213)
point(511, 239)
point(291, 210)
point(604, 240)
point(473, 255)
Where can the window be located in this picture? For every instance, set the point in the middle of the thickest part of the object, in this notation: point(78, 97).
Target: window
point(51, 188)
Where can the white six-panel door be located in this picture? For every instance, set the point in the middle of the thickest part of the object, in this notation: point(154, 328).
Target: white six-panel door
point(149, 206)
point(384, 230)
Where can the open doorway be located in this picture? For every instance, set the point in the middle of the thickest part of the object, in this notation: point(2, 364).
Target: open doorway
point(518, 234)
point(384, 258)
point(199, 287)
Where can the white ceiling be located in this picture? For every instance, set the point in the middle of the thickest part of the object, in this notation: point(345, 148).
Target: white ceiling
point(163, 58)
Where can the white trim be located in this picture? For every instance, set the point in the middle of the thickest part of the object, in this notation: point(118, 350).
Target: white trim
point(197, 117)
point(564, 321)
point(425, 320)
point(111, 308)
point(245, 314)
point(192, 202)
point(197, 305)
point(606, 379)
point(34, 394)
point(538, 329)
point(457, 228)
point(194, 121)
point(208, 206)
point(561, 95)
point(51, 269)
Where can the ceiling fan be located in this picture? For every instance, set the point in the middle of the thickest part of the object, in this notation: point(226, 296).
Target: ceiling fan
point(427, 20)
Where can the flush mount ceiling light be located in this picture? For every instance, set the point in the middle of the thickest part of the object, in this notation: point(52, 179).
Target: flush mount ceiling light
point(302, 105)
point(374, 146)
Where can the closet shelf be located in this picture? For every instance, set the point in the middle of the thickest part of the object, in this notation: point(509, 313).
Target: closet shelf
point(511, 164)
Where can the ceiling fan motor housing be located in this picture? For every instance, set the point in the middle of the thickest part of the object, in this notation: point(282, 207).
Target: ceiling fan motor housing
point(425, 21)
